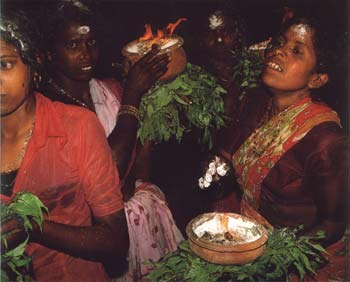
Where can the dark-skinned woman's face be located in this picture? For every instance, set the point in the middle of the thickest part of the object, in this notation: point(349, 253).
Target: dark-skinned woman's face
point(75, 52)
point(15, 77)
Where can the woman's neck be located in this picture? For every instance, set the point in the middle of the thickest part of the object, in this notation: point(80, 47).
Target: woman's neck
point(281, 101)
point(18, 122)
point(78, 89)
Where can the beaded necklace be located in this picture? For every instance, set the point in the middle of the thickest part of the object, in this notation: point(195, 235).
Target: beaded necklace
point(63, 93)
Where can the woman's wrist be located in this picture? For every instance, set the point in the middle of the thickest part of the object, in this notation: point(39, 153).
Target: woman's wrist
point(129, 110)
point(131, 97)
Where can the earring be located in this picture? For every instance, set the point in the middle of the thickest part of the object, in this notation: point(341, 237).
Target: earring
point(37, 80)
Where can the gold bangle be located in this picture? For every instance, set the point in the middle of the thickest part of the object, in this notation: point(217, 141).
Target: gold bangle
point(129, 110)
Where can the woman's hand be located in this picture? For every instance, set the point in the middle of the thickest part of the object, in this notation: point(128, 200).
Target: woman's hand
point(143, 74)
point(12, 231)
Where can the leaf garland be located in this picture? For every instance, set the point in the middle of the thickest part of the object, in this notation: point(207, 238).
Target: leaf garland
point(192, 99)
point(285, 253)
point(25, 207)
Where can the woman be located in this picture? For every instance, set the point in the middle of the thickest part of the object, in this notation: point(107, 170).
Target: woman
point(289, 154)
point(50, 149)
point(73, 53)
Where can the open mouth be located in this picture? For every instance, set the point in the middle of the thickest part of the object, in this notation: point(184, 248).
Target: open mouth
point(86, 68)
point(274, 66)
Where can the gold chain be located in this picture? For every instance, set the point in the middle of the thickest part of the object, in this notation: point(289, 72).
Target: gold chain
point(16, 163)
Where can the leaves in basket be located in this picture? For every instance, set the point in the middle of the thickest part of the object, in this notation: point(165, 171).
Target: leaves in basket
point(285, 253)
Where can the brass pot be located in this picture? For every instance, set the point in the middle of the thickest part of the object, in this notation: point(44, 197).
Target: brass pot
point(176, 65)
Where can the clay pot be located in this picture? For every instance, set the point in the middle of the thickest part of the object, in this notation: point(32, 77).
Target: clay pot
point(176, 65)
point(238, 253)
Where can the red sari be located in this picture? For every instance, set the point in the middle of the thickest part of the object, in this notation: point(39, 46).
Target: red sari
point(267, 144)
point(262, 152)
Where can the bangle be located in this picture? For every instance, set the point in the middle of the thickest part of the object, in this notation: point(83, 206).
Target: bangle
point(129, 110)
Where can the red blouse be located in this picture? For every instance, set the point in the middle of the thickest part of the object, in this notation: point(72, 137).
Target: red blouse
point(68, 165)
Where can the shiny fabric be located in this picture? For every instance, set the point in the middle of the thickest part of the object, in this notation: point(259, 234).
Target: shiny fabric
point(317, 165)
point(268, 143)
point(68, 165)
point(319, 161)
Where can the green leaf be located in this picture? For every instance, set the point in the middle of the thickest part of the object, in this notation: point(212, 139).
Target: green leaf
point(180, 100)
point(27, 207)
point(165, 113)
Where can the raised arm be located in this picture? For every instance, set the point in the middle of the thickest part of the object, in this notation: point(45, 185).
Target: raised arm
point(141, 77)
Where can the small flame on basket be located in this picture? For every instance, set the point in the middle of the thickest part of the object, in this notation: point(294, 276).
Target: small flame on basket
point(224, 222)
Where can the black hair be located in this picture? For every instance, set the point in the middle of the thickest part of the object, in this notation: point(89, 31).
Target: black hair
point(234, 23)
point(17, 28)
point(238, 25)
point(324, 42)
point(63, 12)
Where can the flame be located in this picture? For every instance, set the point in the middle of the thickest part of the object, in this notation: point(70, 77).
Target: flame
point(161, 34)
point(148, 33)
point(171, 26)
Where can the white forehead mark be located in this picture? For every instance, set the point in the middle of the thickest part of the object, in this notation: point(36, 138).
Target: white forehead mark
point(216, 21)
point(83, 29)
point(301, 29)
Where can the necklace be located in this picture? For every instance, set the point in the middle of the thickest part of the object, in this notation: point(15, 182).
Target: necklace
point(15, 164)
point(63, 93)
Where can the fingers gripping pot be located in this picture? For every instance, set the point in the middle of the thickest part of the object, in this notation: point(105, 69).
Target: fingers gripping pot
point(136, 49)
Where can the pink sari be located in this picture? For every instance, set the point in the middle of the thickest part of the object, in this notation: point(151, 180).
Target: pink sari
point(152, 230)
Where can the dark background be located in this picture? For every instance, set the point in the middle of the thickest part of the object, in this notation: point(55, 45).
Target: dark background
point(121, 21)
point(176, 166)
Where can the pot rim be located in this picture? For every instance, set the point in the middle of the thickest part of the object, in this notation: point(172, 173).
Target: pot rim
point(226, 248)
point(171, 48)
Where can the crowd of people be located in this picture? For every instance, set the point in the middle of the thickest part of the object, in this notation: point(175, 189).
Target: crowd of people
point(71, 139)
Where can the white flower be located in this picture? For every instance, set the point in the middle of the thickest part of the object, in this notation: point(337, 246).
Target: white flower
point(222, 169)
point(208, 177)
point(201, 183)
point(206, 184)
point(212, 168)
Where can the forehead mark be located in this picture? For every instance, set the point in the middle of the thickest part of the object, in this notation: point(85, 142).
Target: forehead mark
point(84, 29)
point(301, 30)
point(216, 21)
